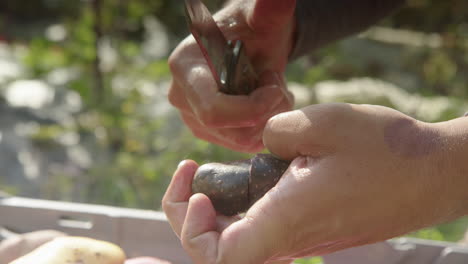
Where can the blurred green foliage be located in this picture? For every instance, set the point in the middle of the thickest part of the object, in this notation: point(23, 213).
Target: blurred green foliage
point(141, 151)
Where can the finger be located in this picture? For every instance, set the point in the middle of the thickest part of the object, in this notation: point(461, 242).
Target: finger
point(247, 140)
point(192, 74)
point(187, 53)
point(239, 139)
point(215, 109)
point(242, 138)
point(286, 105)
point(252, 239)
point(177, 98)
point(312, 131)
point(175, 200)
point(268, 14)
point(290, 99)
point(272, 78)
point(199, 236)
point(193, 86)
point(261, 235)
point(224, 221)
point(245, 241)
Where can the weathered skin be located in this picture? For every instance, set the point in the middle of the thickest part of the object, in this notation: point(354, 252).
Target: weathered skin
point(360, 174)
point(234, 187)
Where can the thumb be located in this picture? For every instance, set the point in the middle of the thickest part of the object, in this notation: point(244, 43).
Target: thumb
point(253, 239)
point(311, 131)
point(199, 236)
point(269, 14)
point(290, 134)
point(259, 237)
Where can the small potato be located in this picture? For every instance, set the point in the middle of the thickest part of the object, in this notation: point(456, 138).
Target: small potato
point(74, 250)
point(19, 245)
point(235, 186)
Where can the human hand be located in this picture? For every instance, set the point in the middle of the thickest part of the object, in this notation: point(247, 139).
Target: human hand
point(266, 27)
point(360, 174)
point(19, 245)
point(176, 203)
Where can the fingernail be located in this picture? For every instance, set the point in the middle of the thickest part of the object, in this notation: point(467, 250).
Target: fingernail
point(181, 164)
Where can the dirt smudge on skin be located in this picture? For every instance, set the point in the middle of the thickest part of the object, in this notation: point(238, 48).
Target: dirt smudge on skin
point(404, 137)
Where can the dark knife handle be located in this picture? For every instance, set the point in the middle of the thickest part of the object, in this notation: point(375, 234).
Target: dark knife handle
point(241, 78)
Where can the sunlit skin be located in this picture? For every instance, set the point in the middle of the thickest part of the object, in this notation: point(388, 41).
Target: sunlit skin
point(237, 122)
point(359, 174)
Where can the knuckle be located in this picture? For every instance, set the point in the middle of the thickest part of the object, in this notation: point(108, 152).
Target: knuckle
point(326, 119)
point(332, 112)
point(174, 59)
point(173, 95)
point(198, 248)
point(173, 62)
point(166, 206)
point(189, 244)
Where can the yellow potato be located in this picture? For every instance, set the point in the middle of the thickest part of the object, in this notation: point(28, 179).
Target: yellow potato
point(74, 250)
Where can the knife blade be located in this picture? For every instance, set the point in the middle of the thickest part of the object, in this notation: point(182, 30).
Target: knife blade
point(228, 63)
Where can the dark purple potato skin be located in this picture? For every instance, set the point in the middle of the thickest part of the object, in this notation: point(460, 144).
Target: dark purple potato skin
point(234, 187)
point(226, 185)
point(266, 170)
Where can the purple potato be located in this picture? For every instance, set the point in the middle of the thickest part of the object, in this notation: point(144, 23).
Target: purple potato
point(235, 186)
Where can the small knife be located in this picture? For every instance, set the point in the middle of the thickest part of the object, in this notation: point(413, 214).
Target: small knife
point(228, 63)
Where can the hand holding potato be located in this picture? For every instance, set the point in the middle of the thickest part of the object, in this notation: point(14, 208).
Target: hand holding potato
point(359, 174)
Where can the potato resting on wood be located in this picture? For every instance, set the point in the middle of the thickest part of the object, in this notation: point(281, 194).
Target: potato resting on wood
point(74, 250)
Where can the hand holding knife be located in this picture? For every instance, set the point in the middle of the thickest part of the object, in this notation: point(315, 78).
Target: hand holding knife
point(226, 59)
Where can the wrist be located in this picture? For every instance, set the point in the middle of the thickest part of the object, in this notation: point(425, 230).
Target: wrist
point(451, 163)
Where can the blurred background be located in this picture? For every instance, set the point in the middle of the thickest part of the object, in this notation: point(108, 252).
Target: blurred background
point(83, 85)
